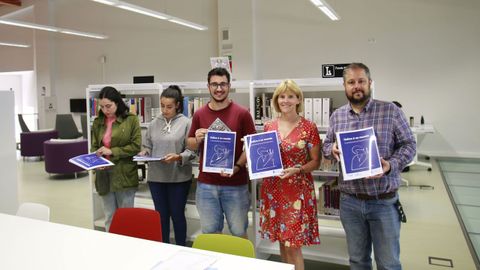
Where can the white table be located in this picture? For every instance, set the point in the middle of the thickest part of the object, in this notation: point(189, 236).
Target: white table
point(421, 130)
point(33, 244)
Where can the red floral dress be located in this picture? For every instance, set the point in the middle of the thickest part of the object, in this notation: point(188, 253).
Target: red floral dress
point(288, 208)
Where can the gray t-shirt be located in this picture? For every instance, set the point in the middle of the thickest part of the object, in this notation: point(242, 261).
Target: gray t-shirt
point(163, 138)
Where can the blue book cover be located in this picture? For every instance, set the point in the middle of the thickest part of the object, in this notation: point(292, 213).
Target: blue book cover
point(90, 161)
point(186, 111)
point(219, 151)
point(359, 153)
point(263, 155)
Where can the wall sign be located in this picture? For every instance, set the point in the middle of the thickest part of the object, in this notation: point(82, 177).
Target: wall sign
point(333, 70)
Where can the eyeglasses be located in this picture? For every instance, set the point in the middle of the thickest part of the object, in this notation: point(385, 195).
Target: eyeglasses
point(223, 85)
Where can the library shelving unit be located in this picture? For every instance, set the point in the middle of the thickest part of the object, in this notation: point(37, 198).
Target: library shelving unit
point(333, 247)
point(149, 90)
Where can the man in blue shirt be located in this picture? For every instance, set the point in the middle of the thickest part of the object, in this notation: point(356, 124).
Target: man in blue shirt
point(368, 207)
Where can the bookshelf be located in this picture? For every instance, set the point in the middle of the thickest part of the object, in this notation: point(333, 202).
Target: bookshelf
point(151, 91)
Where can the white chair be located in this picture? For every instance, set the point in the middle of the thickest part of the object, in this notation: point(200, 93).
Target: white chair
point(34, 210)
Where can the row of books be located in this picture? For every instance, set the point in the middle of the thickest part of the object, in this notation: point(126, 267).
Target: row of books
point(329, 198)
point(192, 104)
point(141, 106)
point(316, 110)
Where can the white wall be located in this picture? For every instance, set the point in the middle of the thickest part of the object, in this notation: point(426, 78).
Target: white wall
point(8, 184)
point(425, 56)
point(422, 53)
point(22, 84)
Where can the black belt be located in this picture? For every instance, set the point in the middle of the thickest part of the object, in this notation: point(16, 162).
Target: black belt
point(366, 197)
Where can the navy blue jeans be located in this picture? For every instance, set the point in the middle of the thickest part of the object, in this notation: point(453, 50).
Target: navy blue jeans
point(367, 223)
point(170, 200)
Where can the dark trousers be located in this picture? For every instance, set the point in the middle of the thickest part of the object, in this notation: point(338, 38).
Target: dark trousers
point(170, 200)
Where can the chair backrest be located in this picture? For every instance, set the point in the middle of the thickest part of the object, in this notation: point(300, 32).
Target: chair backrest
point(23, 125)
point(225, 244)
point(83, 121)
point(66, 127)
point(137, 222)
point(34, 210)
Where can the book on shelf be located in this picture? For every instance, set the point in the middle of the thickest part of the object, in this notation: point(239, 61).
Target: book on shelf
point(329, 198)
point(326, 110)
point(317, 111)
point(90, 161)
point(258, 110)
point(186, 111)
point(308, 109)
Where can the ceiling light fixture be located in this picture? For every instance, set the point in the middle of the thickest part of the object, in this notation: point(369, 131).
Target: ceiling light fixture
point(326, 8)
point(151, 13)
point(14, 45)
point(51, 28)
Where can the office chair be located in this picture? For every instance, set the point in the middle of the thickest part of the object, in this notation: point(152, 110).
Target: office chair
point(66, 127)
point(34, 210)
point(137, 222)
point(225, 244)
point(23, 125)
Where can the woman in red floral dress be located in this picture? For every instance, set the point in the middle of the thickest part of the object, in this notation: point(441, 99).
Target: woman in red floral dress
point(288, 211)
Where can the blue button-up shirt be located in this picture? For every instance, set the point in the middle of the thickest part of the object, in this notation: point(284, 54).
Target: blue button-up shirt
point(395, 140)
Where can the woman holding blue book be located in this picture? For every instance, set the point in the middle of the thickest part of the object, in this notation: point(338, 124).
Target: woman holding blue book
point(288, 212)
point(116, 136)
point(170, 179)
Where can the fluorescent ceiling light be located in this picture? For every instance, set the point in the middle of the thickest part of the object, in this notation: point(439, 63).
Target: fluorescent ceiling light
point(106, 2)
point(188, 24)
point(151, 13)
point(51, 28)
point(82, 34)
point(28, 25)
point(14, 45)
point(143, 11)
point(326, 8)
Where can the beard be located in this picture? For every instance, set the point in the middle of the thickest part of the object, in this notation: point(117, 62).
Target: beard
point(362, 100)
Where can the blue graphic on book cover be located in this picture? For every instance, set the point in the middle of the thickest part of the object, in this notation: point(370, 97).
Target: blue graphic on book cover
point(90, 161)
point(263, 155)
point(219, 151)
point(359, 153)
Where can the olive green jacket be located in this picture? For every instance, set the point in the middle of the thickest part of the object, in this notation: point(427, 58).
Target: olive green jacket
point(126, 142)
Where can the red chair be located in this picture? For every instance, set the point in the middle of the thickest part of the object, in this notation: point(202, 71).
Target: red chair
point(137, 222)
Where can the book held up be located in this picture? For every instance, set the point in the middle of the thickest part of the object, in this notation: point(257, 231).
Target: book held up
point(359, 153)
point(263, 155)
point(219, 152)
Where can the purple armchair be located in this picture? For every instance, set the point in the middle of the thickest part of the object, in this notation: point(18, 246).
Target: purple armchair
point(58, 152)
point(31, 143)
